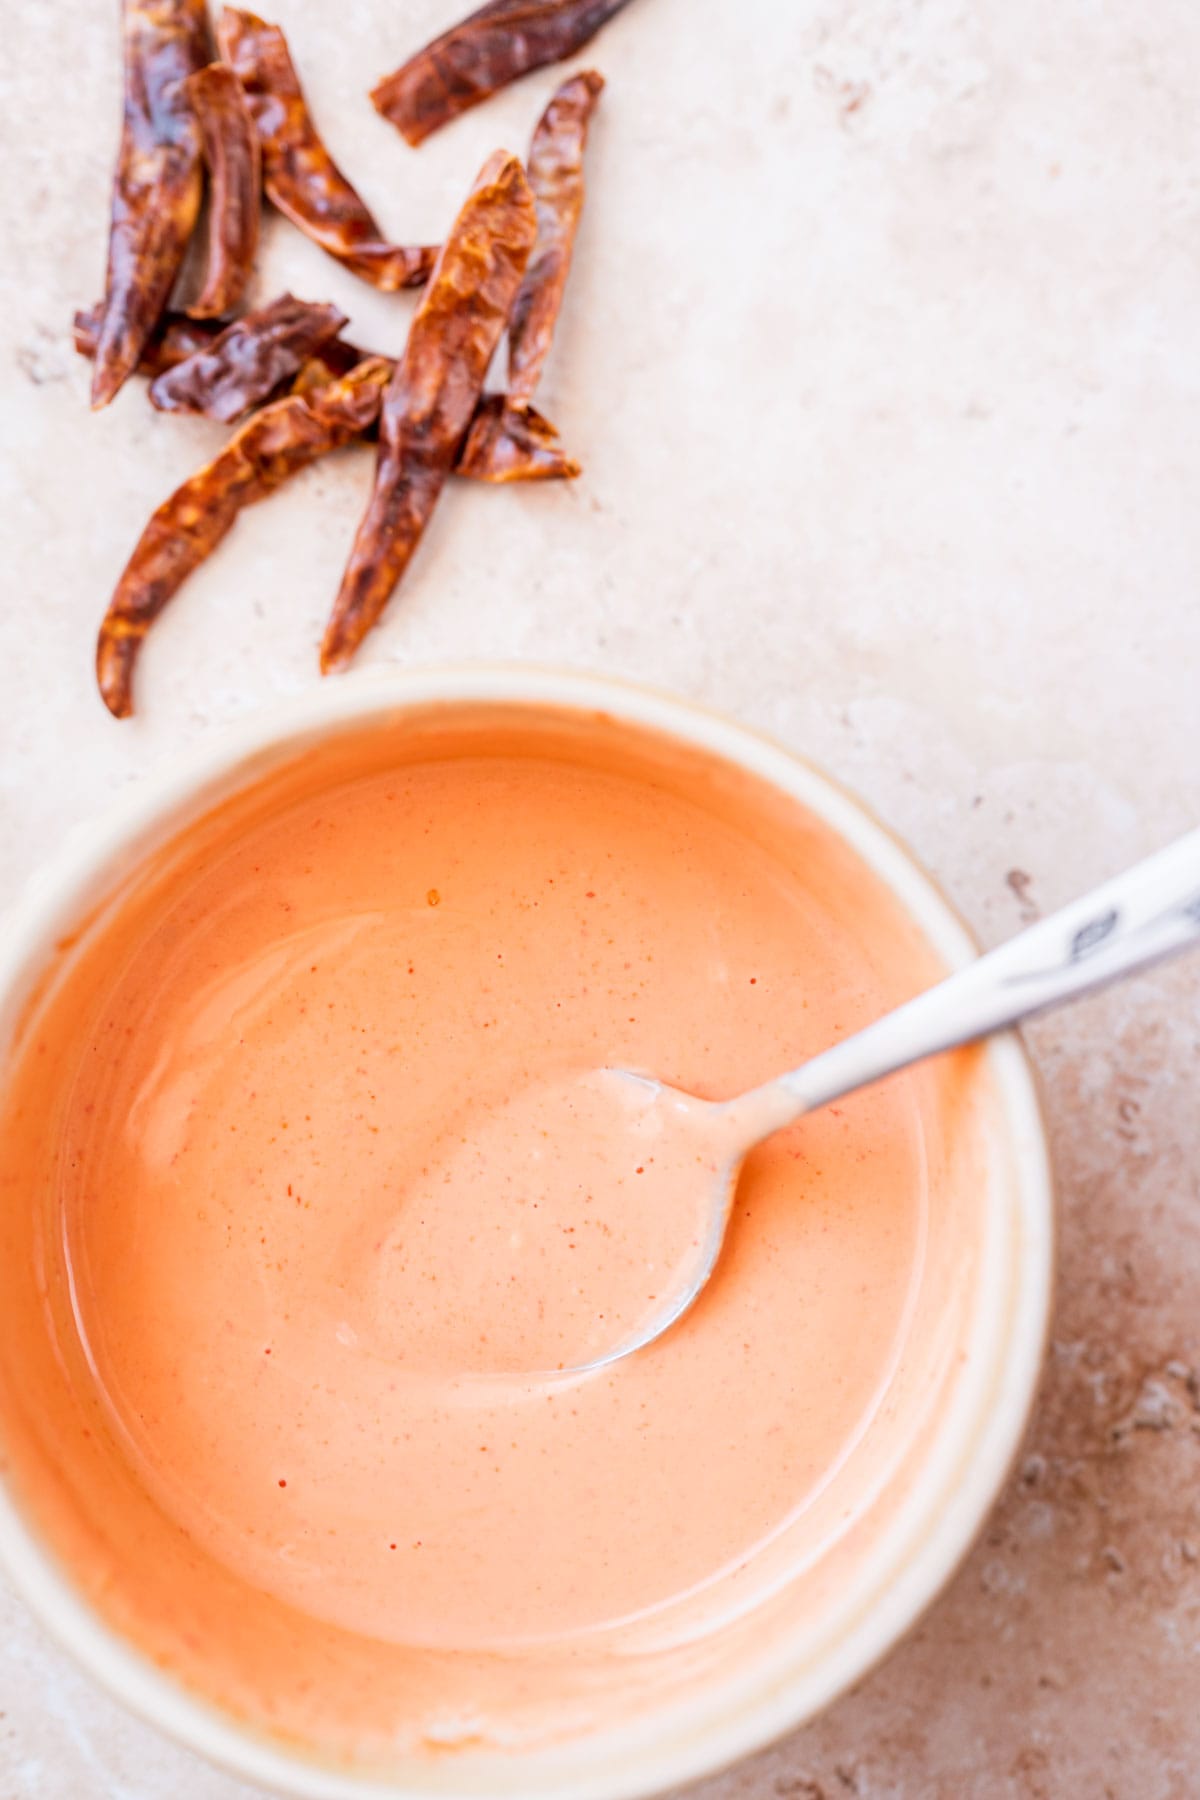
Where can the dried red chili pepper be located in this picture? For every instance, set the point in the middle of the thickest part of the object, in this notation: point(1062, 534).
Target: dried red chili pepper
point(300, 176)
point(555, 170)
point(508, 440)
point(231, 155)
point(272, 446)
point(513, 443)
point(174, 337)
point(248, 361)
point(482, 54)
point(177, 337)
point(434, 391)
point(329, 362)
point(156, 187)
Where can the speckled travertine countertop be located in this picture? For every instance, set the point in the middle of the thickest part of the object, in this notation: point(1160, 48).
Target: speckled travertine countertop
point(882, 355)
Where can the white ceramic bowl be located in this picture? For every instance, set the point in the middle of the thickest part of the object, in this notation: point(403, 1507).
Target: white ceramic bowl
point(961, 1467)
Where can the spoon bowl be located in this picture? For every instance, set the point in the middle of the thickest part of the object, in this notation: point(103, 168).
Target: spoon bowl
point(691, 1137)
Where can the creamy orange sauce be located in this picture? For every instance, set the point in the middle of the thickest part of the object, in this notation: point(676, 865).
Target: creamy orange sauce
point(323, 1221)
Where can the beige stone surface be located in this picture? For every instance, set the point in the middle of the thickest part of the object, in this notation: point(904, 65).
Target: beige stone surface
point(882, 356)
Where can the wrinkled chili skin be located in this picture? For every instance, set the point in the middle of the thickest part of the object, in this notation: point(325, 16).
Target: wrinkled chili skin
point(509, 440)
point(483, 53)
point(229, 142)
point(433, 394)
point(555, 170)
point(330, 361)
point(272, 446)
point(180, 535)
point(248, 361)
point(157, 183)
point(513, 443)
point(301, 178)
point(174, 337)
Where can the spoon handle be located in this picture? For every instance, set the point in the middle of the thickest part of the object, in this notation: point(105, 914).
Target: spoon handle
point(1150, 911)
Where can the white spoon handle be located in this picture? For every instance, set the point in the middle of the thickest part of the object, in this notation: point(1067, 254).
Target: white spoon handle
point(1149, 912)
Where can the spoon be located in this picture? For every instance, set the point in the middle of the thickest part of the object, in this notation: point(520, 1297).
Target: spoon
point(1150, 912)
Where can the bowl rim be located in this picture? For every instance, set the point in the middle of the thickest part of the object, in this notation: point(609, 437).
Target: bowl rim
point(960, 1479)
